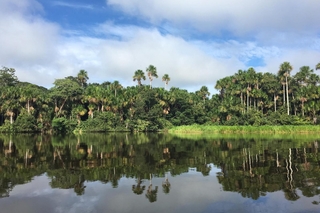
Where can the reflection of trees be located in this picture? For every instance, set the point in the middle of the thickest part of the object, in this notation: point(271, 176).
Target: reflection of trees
point(79, 186)
point(254, 171)
point(205, 169)
point(138, 189)
point(249, 167)
point(166, 185)
point(18, 163)
point(290, 191)
point(152, 193)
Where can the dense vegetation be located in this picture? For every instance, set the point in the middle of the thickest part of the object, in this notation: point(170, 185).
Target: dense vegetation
point(245, 98)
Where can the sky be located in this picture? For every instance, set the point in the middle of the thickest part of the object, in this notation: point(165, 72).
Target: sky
point(195, 42)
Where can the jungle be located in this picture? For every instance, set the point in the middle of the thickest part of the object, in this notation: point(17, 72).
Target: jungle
point(247, 98)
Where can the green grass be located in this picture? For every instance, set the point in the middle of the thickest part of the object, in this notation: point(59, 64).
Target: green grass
point(305, 129)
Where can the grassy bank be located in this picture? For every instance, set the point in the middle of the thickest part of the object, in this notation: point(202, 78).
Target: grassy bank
point(306, 129)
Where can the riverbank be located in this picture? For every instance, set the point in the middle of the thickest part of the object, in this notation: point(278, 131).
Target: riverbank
point(288, 129)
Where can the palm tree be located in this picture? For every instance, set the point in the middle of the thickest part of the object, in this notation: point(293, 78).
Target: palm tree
point(91, 96)
point(166, 79)
point(138, 76)
point(302, 96)
point(284, 70)
point(152, 72)
point(223, 85)
point(79, 111)
point(10, 105)
point(204, 93)
point(303, 75)
point(82, 77)
point(240, 86)
point(26, 94)
point(116, 85)
point(270, 86)
point(318, 66)
point(249, 79)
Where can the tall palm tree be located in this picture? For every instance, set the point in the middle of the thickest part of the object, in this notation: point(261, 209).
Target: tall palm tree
point(223, 85)
point(138, 76)
point(166, 79)
point(284, 70)
point(27, 93)
point(10, 104)
point(152, 72)
point(240, 86)
point(91, 96)
point(115, 86)
point(82, 77)
point(270, 85)
point(302, 96)
point(249, 78)
point(204, 93)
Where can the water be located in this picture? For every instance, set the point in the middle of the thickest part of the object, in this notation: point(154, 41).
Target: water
point(158, 173)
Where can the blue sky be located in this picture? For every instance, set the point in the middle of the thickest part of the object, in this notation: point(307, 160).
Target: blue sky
point(196, 42)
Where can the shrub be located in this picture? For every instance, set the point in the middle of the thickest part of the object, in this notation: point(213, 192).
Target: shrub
point(63, 125)
point(25, 123)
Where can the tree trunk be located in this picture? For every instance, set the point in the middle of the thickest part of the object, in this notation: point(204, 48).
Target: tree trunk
point(284, 95)
point(62, 106)
point(11, 117)
point(242, 102)
point(275, 102)
point(28, 106)
point(287, 95)
point(247, 100)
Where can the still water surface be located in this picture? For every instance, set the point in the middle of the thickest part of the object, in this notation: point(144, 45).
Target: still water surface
point(158, 173)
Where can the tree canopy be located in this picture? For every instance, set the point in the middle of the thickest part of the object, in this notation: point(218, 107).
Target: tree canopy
point(245, 98)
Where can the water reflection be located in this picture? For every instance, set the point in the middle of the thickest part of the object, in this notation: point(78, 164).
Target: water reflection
point(250, 167)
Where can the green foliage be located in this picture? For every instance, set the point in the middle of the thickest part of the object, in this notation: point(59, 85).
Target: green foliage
point(25, 123)
point(7, 77)
point(140, 125)
point(101, 123)
point(164, 124)
point(7, 127)
point(247, 98)
point(63, 125)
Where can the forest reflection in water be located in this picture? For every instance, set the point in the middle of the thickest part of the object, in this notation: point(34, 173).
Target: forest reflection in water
point(155, 165)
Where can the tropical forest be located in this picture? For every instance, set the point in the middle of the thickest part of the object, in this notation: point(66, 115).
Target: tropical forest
point(247, 98)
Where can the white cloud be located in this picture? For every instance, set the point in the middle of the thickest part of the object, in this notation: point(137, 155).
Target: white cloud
point(72, 5)
point(42, 51)
point(27, 41)
point(108, 59)
point(239, 17)
point(296, 57)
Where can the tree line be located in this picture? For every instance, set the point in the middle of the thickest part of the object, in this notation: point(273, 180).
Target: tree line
point(245, 98)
